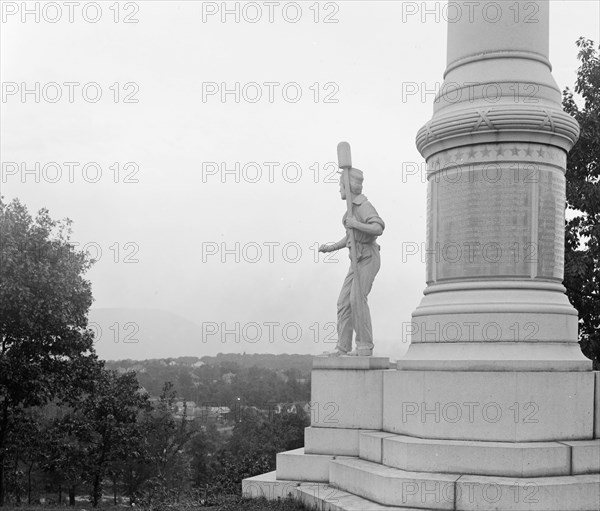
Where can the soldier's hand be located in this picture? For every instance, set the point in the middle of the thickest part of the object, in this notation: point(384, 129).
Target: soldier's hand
point(325, 248)
point(352, 223)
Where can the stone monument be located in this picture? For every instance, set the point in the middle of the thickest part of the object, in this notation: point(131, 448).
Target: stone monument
point(493, 407)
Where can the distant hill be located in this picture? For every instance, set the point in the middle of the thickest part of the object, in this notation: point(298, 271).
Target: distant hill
point(138, 333)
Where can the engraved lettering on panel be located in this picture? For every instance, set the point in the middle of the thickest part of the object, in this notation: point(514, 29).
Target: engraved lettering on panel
point(483, 222)
point(551, 225)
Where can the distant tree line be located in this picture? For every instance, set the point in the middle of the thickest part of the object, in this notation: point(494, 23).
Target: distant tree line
point(222, 382)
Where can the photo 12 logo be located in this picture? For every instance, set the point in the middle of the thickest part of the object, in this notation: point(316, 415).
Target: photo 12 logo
point(460, 173)
point(453, 92)
point(69, 12)
point(69, 92)
point(469, 331)
point(269, 172)
point(469, 412)
point(253, 332)
point(270, 92)
point(253, 252)
point(69, 172)
point(120, 252)
point(471, 252)
point(474, 493)
point(126, 333)
point(470, 12)
point(269, 12)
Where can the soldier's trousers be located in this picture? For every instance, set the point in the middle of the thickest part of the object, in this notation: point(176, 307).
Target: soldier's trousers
point(352, 307)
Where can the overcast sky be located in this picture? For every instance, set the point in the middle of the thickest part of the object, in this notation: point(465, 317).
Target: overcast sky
point(176, 234)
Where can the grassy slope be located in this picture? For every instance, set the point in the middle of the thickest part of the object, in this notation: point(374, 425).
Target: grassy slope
point(235, 504)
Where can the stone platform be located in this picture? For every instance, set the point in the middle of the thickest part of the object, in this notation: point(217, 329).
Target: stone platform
point(461, 440)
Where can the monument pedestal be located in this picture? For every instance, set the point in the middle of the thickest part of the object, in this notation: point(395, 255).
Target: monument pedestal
point(458, 440)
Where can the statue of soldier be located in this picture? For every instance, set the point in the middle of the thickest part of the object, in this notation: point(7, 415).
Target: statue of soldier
point(352, 308)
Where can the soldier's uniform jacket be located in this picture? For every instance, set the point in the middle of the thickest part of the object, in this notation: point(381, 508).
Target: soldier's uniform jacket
point(365, 213)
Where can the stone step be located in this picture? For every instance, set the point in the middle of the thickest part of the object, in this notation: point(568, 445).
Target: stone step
point(268, 486)
point(318, 496)
point(333, 441)
point(295, 465)
point(395, 487)
point(392, 486)
point(505, 459)
point(370, 445)
point(566, 493)
point(585, 456)
point(323, 497)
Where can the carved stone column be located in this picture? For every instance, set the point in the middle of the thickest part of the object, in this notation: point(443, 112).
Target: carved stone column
point(496, 152)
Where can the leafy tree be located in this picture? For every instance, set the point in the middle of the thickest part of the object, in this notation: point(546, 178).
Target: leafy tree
point(166, 438)
point(106, 424)
point(65, 457)
point(46, 350)
point(582, 254)
point(201, 450)
point(253, 446)
point(25, 448)
point(185, 384)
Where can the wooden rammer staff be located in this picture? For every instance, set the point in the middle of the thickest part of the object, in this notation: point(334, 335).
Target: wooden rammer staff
point(345, 163)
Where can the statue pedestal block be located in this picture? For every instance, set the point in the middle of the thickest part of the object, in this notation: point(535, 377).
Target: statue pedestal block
point(347, 392)
point(492, 406)
point(350, 363)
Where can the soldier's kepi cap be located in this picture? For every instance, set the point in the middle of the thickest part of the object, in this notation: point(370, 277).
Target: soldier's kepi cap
point(355, 175)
